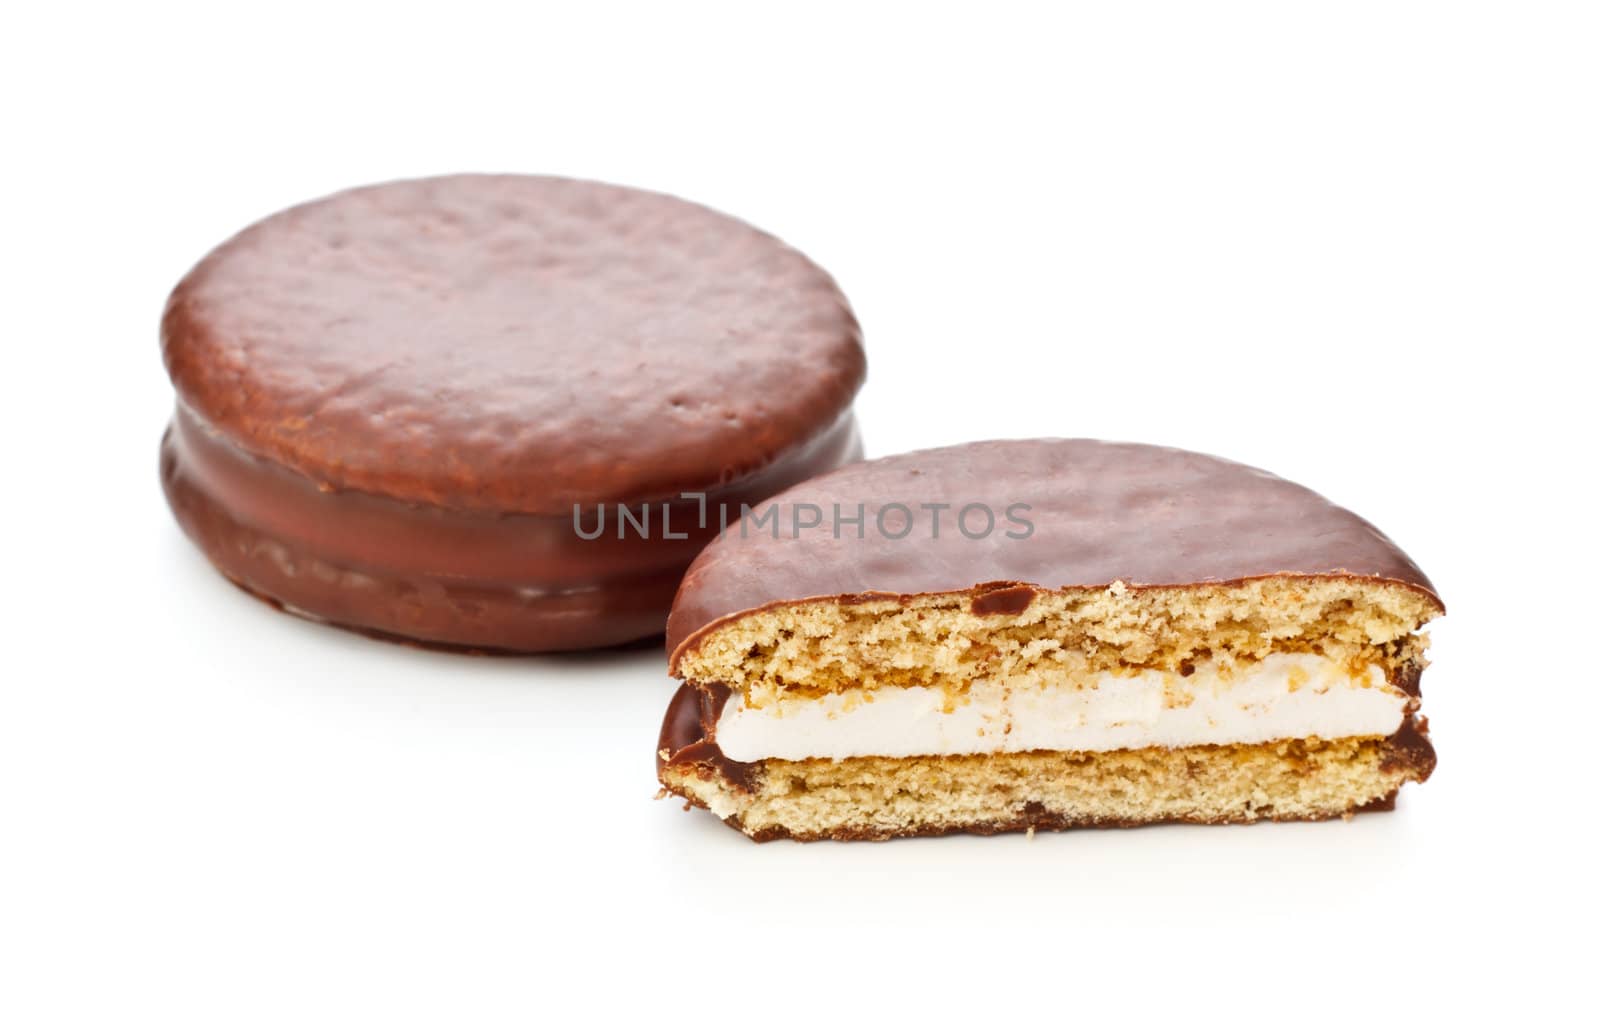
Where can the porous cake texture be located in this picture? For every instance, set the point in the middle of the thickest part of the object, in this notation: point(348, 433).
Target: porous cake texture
point(882, 797)
point(948, 640)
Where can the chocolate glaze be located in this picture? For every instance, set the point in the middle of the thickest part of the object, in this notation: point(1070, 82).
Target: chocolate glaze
point(513, 582)
point(1010, 601)
point(1408, 679)
point(511, 343)
point(1410, 749)
point(390, 400)
point(1101, 512)
point(689, 736)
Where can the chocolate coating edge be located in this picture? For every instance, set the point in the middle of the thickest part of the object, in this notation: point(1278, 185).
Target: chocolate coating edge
point(509, 582)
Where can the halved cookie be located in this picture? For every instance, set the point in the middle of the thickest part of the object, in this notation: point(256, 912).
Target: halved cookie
point(1045, 634)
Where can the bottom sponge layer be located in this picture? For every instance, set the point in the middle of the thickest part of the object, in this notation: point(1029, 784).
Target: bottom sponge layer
point(879, 797)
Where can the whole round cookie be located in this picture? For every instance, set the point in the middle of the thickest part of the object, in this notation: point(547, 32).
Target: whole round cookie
point(495, 411)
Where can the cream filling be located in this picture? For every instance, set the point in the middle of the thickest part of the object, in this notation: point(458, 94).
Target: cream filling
point(1284, 696)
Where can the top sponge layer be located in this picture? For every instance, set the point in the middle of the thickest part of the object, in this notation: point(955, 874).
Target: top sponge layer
point(994, 524)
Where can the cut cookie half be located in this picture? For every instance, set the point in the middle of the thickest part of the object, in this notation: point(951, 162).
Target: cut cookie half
point(1045, 634)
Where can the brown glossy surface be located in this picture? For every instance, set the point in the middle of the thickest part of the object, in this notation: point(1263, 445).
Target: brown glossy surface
point(1101, 512)
point(689, 735)
point(513, 582)
point(390, 400)
point(511, 343)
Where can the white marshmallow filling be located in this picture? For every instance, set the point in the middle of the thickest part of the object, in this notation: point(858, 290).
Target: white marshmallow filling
point(1283, 696)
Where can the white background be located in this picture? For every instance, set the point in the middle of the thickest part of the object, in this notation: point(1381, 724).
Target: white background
point(1354, 243)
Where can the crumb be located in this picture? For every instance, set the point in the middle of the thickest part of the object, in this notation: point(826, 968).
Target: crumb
point(1030, 831)
point(1072, 637)
point(661, 794)
point(664, 753)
